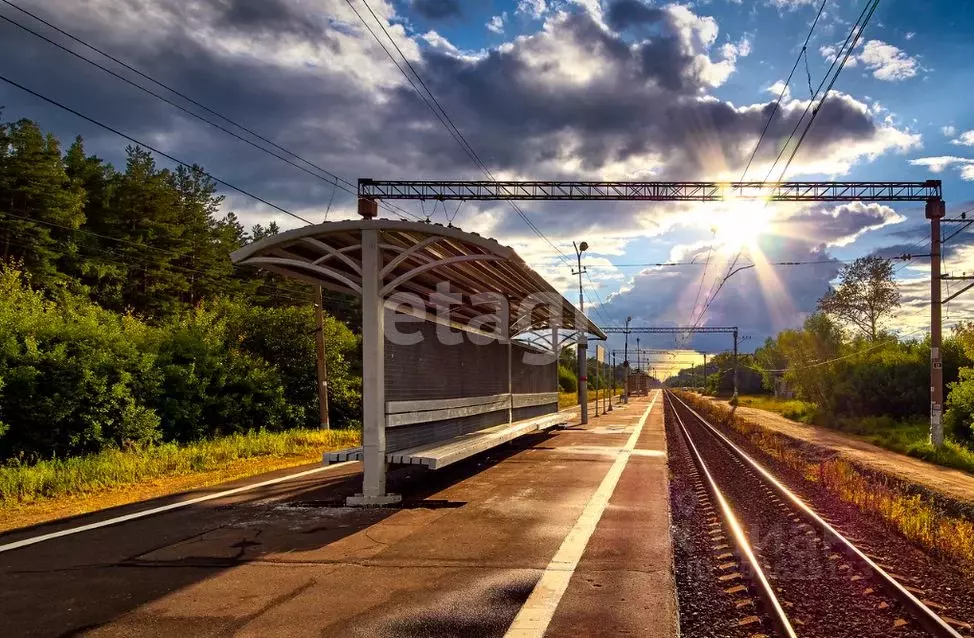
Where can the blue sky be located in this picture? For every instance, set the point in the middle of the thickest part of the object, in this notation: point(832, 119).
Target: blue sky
point(573, 89)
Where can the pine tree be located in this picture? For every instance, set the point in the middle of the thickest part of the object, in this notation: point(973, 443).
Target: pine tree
point(40, 205)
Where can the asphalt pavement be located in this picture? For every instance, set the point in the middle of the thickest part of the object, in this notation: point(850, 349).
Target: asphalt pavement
point(564, 533)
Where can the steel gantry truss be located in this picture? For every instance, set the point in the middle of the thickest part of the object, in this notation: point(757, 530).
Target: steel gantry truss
point(370, 191)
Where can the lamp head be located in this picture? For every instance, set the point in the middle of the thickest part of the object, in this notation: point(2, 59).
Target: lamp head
point(582, 247)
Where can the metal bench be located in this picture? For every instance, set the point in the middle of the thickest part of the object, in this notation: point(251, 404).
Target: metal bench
point(440, 453)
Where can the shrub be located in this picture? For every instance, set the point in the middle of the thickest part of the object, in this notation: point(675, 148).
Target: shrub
point(959, 418)
point(567, 381)
point(74, 377)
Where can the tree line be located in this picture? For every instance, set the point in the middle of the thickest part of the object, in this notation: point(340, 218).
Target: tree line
point(123, 321)
point(846, 361)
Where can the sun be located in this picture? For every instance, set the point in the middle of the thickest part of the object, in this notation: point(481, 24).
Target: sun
point(739, 224)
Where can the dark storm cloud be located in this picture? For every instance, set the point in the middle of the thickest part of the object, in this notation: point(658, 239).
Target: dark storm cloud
point(266, 17)
point(644, 98)
point(511, 104)
point(623, 14)
point(438, 9)
point(836, 225)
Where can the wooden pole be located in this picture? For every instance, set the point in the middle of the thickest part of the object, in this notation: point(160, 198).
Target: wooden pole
point(324, 423)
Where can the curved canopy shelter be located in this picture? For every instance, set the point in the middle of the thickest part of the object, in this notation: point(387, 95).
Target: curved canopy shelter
point(418, 257)
point(442, 275)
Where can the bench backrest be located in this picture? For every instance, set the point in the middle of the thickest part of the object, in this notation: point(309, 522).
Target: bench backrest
point(436, 391)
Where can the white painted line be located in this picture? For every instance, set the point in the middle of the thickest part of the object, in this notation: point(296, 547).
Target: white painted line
point(534, 617)
point(165, 508)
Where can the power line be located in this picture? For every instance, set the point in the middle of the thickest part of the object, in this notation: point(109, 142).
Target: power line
point(335, 179)
point(437, 109)
point(784, 89)
point(828, 90)
point(715, 287)
point(151, 148)
point(125, 260)
point(854, 35)
point(673, 264)
point(598, 308)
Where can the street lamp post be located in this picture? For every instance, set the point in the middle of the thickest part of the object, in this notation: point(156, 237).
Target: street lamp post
point(625, 364)
point(582, 338)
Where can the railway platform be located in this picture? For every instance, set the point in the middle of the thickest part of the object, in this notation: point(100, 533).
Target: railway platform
point(557, 533)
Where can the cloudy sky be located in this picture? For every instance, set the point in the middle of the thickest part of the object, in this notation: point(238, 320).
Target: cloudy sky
point(552, 89)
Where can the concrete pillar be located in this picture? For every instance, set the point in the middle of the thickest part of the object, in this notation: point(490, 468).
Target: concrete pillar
point(373, 379)
point(935, 212)
point(510, 378)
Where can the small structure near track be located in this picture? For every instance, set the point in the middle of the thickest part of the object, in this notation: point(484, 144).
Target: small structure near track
point(460, 337)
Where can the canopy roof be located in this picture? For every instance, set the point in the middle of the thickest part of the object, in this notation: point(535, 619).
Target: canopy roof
point(414, 258)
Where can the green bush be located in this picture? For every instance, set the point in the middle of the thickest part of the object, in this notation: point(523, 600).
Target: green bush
point(78, 379)
point(959, 418)
point(567, 380)
point(209, 387)
point(74, 376)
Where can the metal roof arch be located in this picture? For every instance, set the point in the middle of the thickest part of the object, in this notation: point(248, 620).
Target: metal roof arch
point(418, 257)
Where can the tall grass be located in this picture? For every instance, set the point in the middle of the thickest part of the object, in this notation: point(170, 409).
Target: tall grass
point(910, 437)
point(793, 409)
point(20, 484)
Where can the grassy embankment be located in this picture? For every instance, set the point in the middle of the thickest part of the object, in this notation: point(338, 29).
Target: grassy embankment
point(54, 489)
point(570, 399)
point(918, 518)
point(906, 437)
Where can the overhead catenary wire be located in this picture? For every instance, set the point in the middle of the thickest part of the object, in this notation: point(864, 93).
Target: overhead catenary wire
point(125, 259)
point(436, 107)
point(430, 100)
point(854, 36)
point(715, 287)
point(334, 180)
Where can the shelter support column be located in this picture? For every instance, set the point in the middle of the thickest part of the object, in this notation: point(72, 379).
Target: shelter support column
point(510, 377)
point(373, 379)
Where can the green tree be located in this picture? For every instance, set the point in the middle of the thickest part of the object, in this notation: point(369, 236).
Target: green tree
point(39, 203)
point(867, 296)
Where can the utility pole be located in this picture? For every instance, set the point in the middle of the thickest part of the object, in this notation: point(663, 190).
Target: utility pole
point(704, 391)
point(324, 423)
point(639, 359)
point(625, 365)
point(613, 386)
point(935, 212)
point(735, 364)
point(582, 339)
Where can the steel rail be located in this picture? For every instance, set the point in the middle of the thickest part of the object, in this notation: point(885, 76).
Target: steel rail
point(928, 619)
point(775, 610)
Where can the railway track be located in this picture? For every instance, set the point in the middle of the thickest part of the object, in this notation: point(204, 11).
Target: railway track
point(781, 568)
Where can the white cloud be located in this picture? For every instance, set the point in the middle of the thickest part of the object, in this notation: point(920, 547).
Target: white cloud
point(534, 8)
point(830, 53)
point(965, 139)
point(948, 131)
point(939, 164)
point(790, 4)
point(740, 49)
point(910, 35)
point(887, 62)
point(496, 23)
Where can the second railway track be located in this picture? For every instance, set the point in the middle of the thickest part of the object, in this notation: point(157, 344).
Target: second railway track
point(784, 570)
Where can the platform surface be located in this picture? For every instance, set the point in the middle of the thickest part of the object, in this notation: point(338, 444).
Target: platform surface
point(560, 533)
